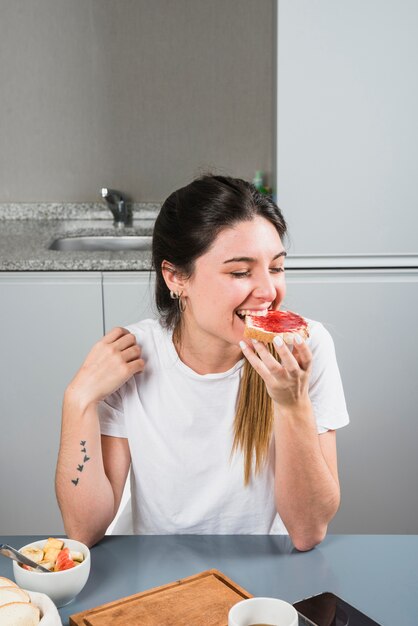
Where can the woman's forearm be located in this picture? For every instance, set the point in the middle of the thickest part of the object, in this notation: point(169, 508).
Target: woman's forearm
point(307, 495)
point(84, 493)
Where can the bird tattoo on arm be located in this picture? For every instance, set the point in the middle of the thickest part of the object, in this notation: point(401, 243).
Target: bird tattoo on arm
point(80, 466)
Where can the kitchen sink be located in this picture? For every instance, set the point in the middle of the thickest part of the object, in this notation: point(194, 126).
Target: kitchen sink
point(102, 243)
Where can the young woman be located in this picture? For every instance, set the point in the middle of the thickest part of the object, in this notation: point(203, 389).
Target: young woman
point(221, 435)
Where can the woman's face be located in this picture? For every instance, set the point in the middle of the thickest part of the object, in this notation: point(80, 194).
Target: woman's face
point(243, 271)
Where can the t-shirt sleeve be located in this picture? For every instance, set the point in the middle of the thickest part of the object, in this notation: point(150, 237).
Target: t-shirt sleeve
point(111, 416)
point(325, 388)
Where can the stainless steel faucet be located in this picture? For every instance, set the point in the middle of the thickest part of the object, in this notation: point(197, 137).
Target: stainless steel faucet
point(122, 212)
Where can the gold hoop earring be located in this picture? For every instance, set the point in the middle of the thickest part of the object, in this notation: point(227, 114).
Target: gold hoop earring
point(182, 305)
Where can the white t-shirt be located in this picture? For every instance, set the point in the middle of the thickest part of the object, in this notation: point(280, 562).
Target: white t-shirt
point(180, 430)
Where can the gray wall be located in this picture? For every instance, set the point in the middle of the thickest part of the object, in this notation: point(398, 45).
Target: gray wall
point(137, 94)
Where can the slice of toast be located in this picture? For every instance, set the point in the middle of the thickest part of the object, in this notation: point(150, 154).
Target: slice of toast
point(19, 614)
point(284, 323)
point(13, 594)
point(6, 582)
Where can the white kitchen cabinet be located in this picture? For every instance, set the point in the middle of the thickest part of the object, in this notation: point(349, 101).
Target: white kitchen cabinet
point(127, 298)
point(371, 315)
point(48, 321)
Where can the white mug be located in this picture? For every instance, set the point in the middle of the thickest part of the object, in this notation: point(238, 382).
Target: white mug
point(269, 611)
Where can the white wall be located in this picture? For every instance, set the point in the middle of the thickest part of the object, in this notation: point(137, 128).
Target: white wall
point(347, 124)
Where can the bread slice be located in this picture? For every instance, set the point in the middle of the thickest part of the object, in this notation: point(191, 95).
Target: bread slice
point(6, 582)
point(13, 594)
point(19, 614)
point(284, 323)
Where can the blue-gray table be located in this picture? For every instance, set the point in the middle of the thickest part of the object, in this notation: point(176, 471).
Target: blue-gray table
point(378, 574)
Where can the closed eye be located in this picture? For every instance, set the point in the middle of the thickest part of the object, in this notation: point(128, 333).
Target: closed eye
point(273, 270)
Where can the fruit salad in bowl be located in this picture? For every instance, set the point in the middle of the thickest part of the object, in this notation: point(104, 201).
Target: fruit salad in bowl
point(68, 562)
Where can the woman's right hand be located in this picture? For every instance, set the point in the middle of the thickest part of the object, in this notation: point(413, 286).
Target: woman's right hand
point(110, 363)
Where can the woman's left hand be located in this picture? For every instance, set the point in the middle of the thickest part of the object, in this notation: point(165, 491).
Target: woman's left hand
point(287, 381)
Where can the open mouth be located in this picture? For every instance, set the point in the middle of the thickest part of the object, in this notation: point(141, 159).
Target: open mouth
point(241, 313)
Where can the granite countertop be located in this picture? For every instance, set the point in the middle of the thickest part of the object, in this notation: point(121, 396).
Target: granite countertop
point(27, 230)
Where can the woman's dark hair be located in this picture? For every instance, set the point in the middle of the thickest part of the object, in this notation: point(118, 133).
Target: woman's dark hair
point(190, 220)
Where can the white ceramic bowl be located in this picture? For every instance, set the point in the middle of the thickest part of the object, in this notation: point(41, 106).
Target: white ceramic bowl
point(61, 587)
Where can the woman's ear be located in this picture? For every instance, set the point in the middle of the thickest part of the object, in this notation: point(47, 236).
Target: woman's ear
point(174, 280)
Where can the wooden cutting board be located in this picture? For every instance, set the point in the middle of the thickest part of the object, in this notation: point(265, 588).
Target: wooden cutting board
point(200, 600)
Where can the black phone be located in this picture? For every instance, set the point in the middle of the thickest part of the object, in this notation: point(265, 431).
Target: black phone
point(327, 609)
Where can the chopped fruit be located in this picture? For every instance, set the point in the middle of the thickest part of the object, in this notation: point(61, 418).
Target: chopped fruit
point(58, 544)
point(35, 554)
point(77, 556)
point(51, 554)
point(64, 561)
point(53, 557)
point(47, 565)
